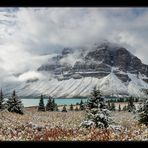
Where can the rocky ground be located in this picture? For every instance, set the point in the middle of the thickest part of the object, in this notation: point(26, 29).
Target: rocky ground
point(59, 126)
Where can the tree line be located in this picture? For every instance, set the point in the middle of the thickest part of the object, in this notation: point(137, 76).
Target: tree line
point(129, 107)
point(98, 111)
point(123, 99)
point(52, 106)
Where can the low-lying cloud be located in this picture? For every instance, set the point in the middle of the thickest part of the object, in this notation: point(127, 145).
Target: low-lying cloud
point(30, 75)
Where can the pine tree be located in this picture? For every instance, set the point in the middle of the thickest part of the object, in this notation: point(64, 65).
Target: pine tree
point(82, 105)
point(119, 108)
point(53, 105)
point(136, 99)
point(124, 108)
point(56, 107)
point(41, 104)
point(76, 109)
point(109, 105)
point(113, 108)
point(71, 107)
point(131, 107)
point(97, 112)
point(14, 104)
point(143, 112)
point(49, 104)
point(64, 109)
point(2, 105)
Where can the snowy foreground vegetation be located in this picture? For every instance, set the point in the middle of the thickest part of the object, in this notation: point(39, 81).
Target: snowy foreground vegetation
point(59, 126)
point(94, 121)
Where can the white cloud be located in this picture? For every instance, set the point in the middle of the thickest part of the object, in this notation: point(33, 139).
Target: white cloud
point(28, 33)
point(30, 75)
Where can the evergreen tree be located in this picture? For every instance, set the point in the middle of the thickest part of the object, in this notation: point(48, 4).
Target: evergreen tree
point(53, 105)
point(49, 104)
point(14, 104)
point(136, 99)
point(143, 112)
point(41, 104)
point(95, 100)
point(56, 107)
point(71, 107)
point(109, 105)
point(2, 105)
point(124, 108)
point(119, 108)
point(131, 107)
point(113, 108)
point(64, 109)
point(97, 112)
point(76, 109)
point(82, 105)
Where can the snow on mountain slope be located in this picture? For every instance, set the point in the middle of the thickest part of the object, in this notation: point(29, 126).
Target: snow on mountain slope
point(87, 90)
point(109, 85)
point(74, 89)
point(134, 90)
point(136, 85)
point(137, 81)
point(112, 85)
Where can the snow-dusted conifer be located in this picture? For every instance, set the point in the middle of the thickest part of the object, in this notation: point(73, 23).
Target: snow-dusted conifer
point(97, 113)
point(124, 108)
point(71, 107)
point(131, 107)
point(82, 107)
point(2, 104)
point(119, 108)
point(113, 108)
point(14, 104)
point(56, 107)
point(109, 105)
point(51, 105)
point(64, 109)
point(143, 112)
point(41, 104)
point(76, 108)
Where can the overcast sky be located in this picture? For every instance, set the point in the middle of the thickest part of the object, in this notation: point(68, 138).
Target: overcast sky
point(28, 33)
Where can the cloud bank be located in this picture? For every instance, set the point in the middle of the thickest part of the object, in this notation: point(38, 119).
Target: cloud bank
point(28, 35)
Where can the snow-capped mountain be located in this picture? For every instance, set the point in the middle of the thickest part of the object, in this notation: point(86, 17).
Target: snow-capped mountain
point(74, 72)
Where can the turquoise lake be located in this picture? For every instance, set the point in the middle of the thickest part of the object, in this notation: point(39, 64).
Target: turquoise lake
point(60, 101)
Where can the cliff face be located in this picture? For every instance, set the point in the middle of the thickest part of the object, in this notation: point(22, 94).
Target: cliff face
point(120, 58)
point(97, 62)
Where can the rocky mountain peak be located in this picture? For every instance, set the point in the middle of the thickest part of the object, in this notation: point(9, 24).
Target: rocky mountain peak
point(97, 62)
point(67, 51)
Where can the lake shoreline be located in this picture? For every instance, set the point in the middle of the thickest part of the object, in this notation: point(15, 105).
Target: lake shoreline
point(63, 101)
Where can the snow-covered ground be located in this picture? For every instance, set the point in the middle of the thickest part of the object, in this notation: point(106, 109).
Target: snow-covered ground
point(57, 126)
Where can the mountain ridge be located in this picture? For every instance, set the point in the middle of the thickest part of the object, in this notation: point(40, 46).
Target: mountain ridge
point(74, 72)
